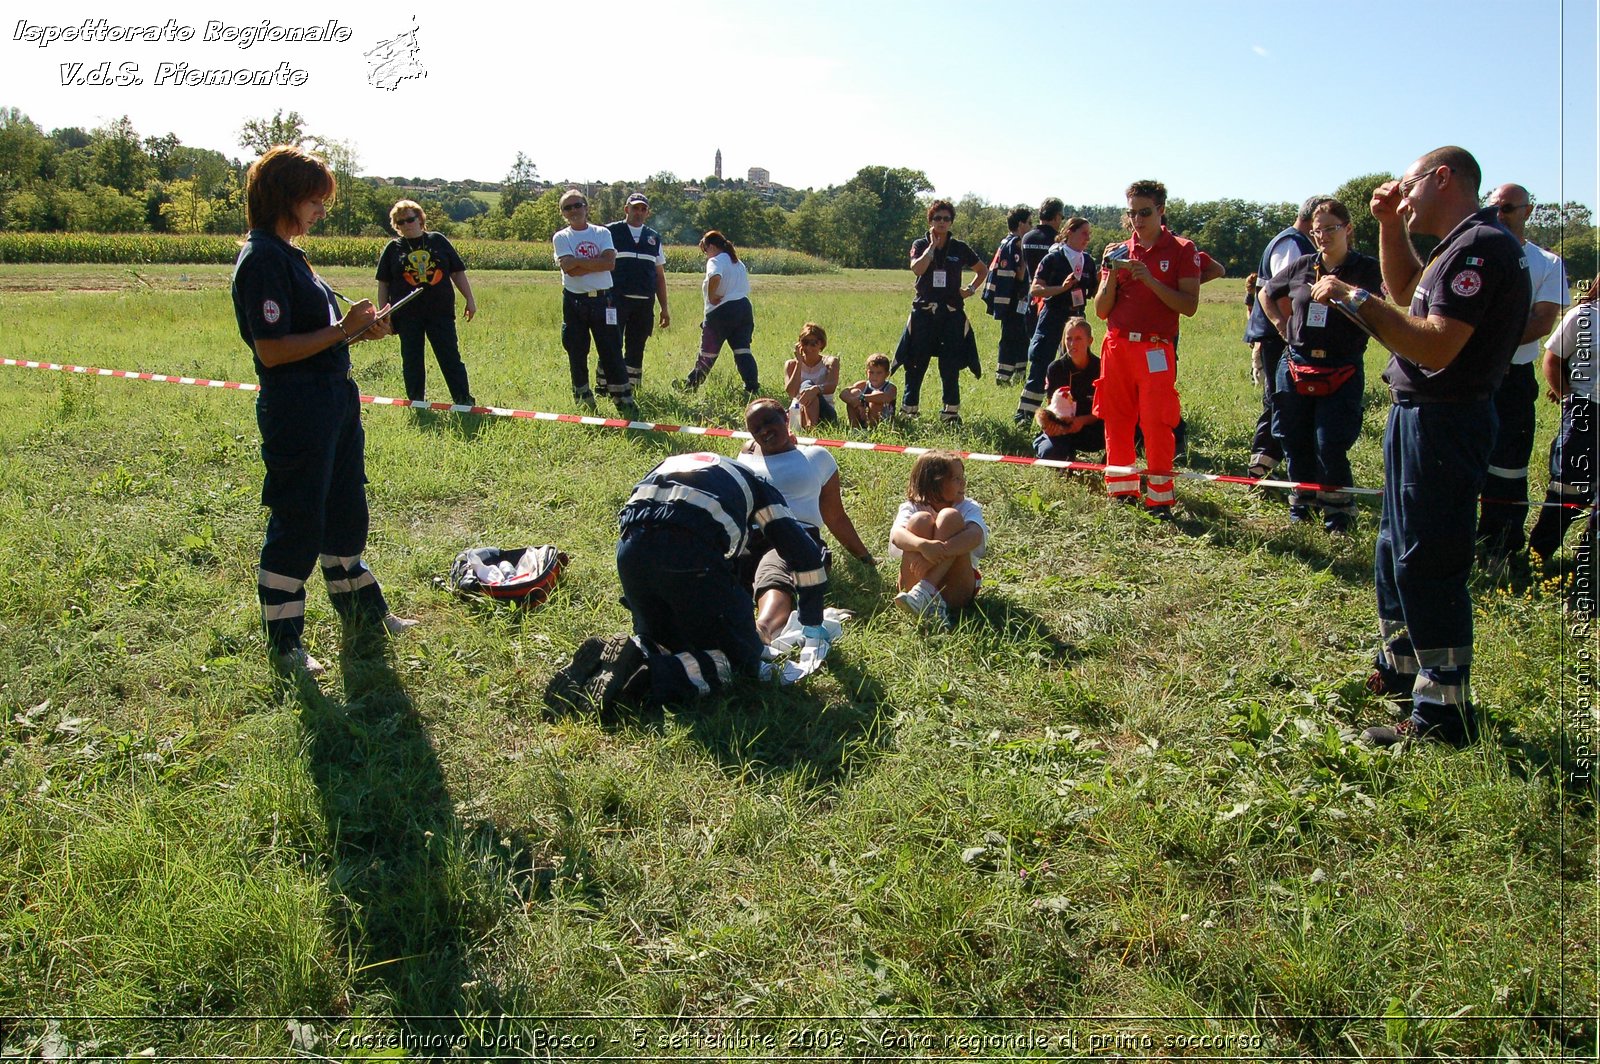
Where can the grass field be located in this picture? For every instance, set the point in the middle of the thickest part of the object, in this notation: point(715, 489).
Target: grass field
point(1119, 808)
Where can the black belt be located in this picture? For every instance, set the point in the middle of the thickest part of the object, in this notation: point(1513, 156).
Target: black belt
point(587, 295)
point(1412, 399)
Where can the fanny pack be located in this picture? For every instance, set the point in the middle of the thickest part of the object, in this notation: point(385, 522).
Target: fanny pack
point(1319, 380)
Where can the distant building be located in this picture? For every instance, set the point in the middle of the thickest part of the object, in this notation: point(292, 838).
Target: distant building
point(718, 168)
point(759, 176)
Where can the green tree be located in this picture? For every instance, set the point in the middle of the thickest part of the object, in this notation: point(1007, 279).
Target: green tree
point(900, 214)
point(187, 209)
point(1356, 195)
point(518, 184)
point(539, 219)
point(259, 134)
point(118, 157)
point(1568, 230)
point(741, 216)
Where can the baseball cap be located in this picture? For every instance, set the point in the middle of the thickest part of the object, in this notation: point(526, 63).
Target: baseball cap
point(638, 197)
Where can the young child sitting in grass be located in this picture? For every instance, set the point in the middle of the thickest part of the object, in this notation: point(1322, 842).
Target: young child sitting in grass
point(938, 534)
point(811, 378)
point(870, 401)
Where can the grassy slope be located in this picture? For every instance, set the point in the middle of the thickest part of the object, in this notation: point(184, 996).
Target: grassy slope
point(1146, 730)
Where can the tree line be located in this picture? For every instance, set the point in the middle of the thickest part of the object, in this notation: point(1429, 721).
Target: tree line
point(112, 179)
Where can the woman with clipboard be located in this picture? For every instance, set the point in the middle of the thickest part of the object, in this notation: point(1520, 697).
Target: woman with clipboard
point(308, 410)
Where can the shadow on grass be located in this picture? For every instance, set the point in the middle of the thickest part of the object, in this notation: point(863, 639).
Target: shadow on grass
point(767, 730)
point(1203, 517)
point(463, 427)
point(410, 884)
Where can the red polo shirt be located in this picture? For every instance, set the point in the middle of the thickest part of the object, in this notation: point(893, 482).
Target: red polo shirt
point(1170, 259)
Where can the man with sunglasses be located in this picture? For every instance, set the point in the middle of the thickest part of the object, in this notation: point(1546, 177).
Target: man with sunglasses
point(1448, 354)
point(586, 255)
point(1505, 493)
point(641, 280)
point(1146, 284)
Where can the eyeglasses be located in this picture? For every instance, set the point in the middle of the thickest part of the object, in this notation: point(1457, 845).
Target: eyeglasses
point(1142, 212)
point(570, 207)
point(1512, 208)
point(1327, 230)
point(943, 218)
point(1407, 184)
point(409, 219)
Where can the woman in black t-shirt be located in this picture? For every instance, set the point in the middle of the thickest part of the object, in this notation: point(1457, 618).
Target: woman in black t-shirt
point(1317, 408)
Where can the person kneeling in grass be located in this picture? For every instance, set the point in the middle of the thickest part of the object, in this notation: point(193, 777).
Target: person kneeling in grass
point(938, 534)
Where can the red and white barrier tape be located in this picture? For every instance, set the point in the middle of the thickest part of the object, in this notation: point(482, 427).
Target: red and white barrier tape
point(698, 430)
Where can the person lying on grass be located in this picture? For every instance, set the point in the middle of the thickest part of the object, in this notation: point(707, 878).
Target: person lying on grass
point(938, 534)
point(808, 477)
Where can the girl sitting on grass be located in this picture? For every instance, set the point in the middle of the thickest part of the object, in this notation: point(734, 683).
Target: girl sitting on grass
point(811, 377)
point(938, 534)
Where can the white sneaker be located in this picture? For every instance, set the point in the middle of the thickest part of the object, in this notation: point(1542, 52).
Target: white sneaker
point(924, 605)
point(298, 661)
point(398, 625)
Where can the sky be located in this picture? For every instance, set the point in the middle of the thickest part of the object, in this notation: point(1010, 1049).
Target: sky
point(1254, 100)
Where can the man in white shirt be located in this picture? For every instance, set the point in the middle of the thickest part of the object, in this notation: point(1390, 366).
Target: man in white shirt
point(1504, 510)
point(586, 255)
point(808, 478)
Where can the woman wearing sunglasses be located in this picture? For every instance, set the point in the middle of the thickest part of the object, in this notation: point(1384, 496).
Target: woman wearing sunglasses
point(417, 258)
point(938, 327)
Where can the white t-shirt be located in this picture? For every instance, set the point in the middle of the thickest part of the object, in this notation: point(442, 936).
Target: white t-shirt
point(735, 279)
point(799, 474)
point(590, 242)
point(971, 511)
point(1547, 279)
point(1573, 342)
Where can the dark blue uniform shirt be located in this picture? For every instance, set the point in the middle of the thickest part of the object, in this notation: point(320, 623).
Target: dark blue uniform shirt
point(275, 294)
point(1478, 275)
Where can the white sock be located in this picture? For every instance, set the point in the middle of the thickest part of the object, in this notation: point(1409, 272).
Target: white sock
point(925, 588)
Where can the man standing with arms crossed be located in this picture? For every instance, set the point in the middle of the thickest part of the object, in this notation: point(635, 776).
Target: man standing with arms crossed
point(1468, 312)
point(640, 277)
point(1154, 278)
point(1505, 492)
point(585, 255)
point(1266, 345)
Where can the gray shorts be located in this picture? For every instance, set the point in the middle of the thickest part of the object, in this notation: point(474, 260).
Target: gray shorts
point(773, 573)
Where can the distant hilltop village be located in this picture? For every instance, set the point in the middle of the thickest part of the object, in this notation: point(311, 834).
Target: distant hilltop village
point(757, 179)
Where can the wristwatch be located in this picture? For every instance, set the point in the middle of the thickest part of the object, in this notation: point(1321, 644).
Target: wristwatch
point(1358, 297)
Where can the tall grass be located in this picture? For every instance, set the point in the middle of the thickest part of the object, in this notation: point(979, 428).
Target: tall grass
point(1120, 803)
point(355, 251)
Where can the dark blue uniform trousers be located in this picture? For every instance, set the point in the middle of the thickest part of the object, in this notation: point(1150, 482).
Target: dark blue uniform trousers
point(1266, 450)
point(1012, 354)
point(311, 442)
point(1042, 350)
point(1572, 477)
point(1505, 493)
point(441, 334)
point(1316, 433)
point(696, 621)
point(1435, 458)
point(583, 316)
point(637, 318)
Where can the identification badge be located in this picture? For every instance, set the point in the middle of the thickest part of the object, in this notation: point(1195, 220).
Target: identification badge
point(1077, 297)
point(1317, 315)
point(1156, 359)
point(938, 278)
point(611, 315)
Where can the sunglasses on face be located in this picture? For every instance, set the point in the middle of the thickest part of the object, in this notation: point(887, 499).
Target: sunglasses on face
point(408, 219)
point(1142, 212)
point(943, 218)
point(569, 208)
point(1327, 230)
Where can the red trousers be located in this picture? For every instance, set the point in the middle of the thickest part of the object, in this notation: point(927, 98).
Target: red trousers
point(1138, 389)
